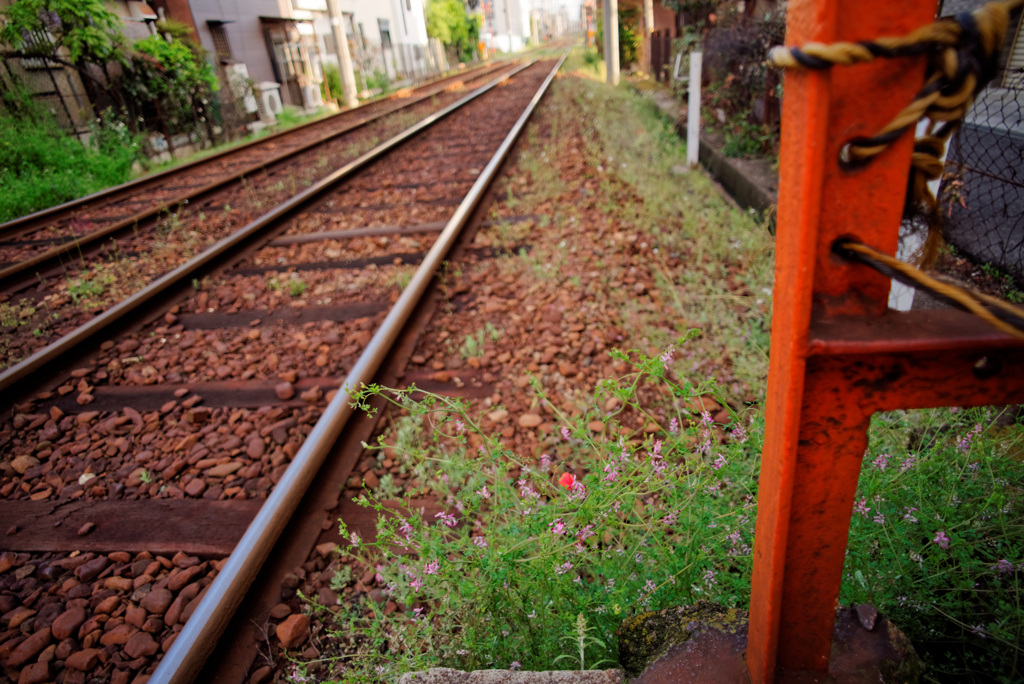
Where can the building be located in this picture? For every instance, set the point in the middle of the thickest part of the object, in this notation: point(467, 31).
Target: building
point(506, 25)
point(282, 45)
point(62, 89)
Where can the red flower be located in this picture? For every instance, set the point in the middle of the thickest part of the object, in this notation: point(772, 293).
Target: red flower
point(566, 480)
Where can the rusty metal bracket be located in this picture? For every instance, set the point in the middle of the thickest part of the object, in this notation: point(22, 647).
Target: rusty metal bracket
point(837, 353)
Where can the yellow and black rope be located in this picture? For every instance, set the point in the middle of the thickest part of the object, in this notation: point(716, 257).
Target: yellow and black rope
point(963, 57)
point(995, 312)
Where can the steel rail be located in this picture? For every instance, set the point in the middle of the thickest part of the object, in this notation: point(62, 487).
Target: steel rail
point(184, 661)
point(20, 268)
point(129, 185)
point(50, 354)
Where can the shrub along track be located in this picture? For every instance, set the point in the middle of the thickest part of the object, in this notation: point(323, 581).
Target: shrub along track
point(64, 265)
point(127, 481)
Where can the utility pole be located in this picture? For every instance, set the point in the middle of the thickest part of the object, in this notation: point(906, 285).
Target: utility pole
point(648, 36)
point(348, 80)
point(611, 40)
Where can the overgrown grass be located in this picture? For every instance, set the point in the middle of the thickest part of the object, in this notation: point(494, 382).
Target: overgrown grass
point(724, 284)
point(41, 165)
point(618, 522)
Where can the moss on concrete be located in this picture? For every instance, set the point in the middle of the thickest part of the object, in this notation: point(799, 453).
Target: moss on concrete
point(645, 637)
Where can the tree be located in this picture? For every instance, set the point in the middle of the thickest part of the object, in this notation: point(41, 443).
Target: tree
point(448, 21)
point(89, 31)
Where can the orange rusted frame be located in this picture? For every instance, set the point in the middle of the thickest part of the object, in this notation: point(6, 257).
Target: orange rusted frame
point(822, 388)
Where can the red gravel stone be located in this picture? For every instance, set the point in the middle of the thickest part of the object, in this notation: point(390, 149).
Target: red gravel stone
point(84, 660)
point(157, 601)
point(293, 630)
point(141, 644)
point(29, 648)
point(67, 624)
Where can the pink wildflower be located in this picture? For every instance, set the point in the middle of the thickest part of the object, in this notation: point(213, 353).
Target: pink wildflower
point(861, 507)
point(739, 435)
point(432, 567)
point(557, 527)
point(613, 473)
point(446, 519)
point(1004, 566)
point(565, 433)
point(484, 493)
point(909, 515)
point(881, 462)
point(480, 542)
point(673, 426)
point(545, 461)
point(941, 539)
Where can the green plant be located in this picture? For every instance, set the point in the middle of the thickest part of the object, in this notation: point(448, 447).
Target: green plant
point(743, 138)
point(13, 315)
point(473, 344)
point(622, 521)
point(331, 82)
point(146, 477)
point(274, 284)
point(379, 79)
point(592, 58)
point(448, 21)
point(40, 165)
point(387, 489)
point(602, 528)
point(582, 641)
point(937, 539)
point(85, 289)
point(341, 577)
point(296, 287)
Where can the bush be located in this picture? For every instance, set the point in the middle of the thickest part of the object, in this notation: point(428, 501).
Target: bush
point(525, 563)
point(41, 165)
point(332, 81)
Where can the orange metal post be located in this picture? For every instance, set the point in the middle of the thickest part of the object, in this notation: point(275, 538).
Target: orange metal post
point(837, 355)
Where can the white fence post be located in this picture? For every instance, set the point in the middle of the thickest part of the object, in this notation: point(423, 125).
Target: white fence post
point(693, 111)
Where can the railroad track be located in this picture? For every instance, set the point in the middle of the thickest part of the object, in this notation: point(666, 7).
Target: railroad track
point(64, 265)
point(154, 460)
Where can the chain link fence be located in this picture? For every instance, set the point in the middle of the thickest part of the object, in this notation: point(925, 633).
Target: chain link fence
point(982, 191)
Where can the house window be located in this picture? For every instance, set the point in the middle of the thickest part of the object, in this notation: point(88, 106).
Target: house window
point(221, 46)
point(385, 33)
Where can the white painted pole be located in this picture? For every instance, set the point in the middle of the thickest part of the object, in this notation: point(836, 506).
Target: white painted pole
point(693, 111)
point(611, 32)
point(348, 79)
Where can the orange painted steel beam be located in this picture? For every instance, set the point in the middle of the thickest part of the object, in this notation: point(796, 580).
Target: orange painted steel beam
point(794, 591)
